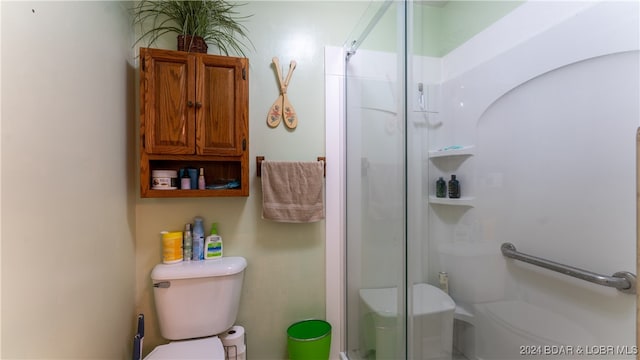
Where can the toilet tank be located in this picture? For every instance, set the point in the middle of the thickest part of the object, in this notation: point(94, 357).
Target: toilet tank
point(197, 298)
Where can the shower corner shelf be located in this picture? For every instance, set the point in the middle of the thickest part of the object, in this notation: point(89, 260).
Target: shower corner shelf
point(463, 201)
point(468, 150)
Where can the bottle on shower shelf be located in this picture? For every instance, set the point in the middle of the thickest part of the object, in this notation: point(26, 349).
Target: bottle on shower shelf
point(443, 279)
point(441, 188)
point(454, 188)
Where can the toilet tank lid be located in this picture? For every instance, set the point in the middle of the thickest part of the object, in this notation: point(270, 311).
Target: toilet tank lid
point(228, 265)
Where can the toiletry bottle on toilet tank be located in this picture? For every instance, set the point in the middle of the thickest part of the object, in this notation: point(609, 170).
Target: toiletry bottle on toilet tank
point(213, 244)
point(187, 243)
point(198, 239)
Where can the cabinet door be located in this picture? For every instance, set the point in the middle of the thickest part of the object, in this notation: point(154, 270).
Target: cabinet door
point(222, 119)
point(168, 87)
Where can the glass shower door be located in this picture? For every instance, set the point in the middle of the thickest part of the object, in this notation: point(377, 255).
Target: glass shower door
point(376, 182)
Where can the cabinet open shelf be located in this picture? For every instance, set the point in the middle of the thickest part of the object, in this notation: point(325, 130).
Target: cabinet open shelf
point(192, 193)
point(218, 170)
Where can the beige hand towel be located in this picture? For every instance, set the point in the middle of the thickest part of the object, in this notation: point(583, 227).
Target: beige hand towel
point(293, 191)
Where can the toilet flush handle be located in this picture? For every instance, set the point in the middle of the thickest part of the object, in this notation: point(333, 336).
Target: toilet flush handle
point(162, 284)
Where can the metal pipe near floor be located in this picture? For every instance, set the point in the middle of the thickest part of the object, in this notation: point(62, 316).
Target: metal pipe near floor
point(622, 280)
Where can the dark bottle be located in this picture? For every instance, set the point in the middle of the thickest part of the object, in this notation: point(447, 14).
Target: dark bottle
point(441, 188)
point(454, 188)
point(185, 180)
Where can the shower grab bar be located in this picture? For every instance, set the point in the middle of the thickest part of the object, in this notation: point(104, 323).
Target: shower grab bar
point(622, 280)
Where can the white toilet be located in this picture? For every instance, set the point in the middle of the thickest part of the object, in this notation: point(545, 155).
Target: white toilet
point(195, 301)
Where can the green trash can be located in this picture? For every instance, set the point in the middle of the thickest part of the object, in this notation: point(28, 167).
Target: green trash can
point(309, 340)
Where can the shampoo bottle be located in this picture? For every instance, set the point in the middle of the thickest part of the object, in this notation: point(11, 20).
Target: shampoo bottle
point(213, 244)
point(454, 188)
point(441, 188)
point(198, 239)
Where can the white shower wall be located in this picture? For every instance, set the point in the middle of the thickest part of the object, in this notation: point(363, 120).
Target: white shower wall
point(548, 97)
point(552, 114)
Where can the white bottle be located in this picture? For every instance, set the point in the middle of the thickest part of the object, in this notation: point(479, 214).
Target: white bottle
point(443, 279)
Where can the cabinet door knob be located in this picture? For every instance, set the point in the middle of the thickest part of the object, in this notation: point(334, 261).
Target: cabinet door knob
point(190, 103)
point(198, 104)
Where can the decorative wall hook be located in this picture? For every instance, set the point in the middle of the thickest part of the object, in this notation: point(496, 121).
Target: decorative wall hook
point(282, 108)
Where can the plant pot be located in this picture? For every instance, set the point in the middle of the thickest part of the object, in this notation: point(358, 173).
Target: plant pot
point(192, 44)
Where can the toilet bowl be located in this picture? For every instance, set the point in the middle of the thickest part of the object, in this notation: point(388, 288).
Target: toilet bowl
point(432, 321)
point(195, 302)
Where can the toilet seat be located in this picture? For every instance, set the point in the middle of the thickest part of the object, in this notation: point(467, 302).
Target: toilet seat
point(210, 348)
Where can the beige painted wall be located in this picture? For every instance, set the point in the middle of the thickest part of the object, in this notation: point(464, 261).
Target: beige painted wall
point(285, 280)
point(68, 190)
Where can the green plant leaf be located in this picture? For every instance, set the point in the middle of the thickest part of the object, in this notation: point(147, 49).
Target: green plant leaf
point(216, 21)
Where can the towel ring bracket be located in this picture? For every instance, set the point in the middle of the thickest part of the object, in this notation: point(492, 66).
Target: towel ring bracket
point(260, 159)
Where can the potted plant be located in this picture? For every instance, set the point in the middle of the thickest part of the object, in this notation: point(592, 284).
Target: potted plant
point(196, 22)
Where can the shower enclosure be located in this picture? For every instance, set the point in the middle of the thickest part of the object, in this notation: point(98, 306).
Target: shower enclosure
point(533, 106)
point(376, 181)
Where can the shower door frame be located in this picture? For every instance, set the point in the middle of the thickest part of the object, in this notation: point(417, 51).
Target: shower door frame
point(335, 59)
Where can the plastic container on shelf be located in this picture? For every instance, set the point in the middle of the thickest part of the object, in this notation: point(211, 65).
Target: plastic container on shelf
point(164, 179)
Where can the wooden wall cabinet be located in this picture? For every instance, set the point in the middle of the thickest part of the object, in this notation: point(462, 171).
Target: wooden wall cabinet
point(194, 112)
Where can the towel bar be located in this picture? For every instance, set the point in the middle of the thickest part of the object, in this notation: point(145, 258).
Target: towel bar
point(260, 159)
point(623, 281)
